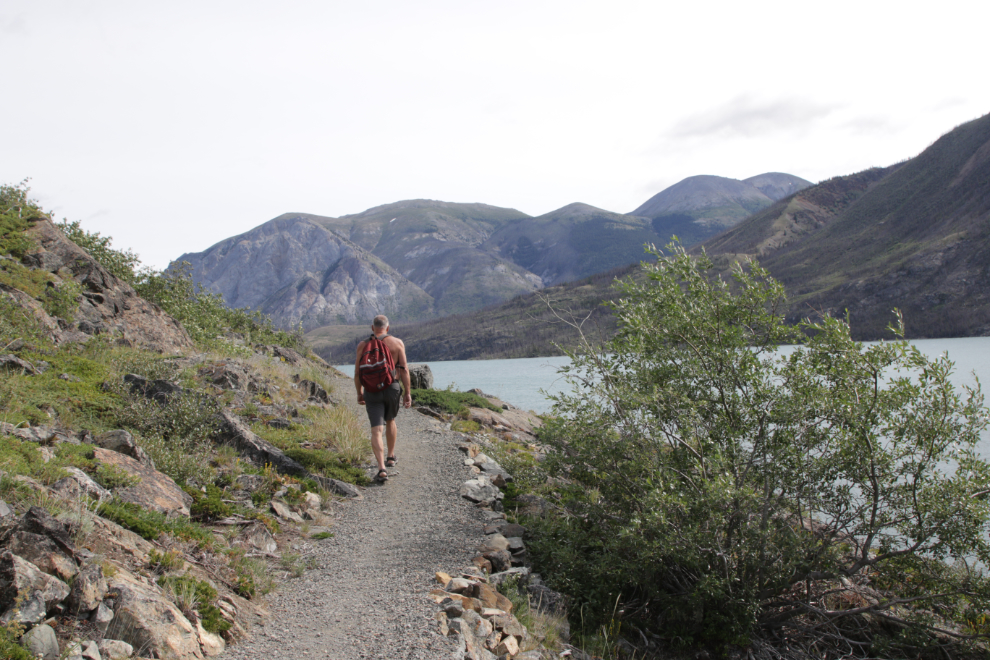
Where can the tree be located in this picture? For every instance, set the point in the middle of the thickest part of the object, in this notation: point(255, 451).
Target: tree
point(726, 489)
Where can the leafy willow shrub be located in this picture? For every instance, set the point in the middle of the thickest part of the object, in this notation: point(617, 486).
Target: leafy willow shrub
point(17, 213)
point(720, 491)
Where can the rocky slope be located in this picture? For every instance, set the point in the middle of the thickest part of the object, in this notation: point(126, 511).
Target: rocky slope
point(301, 273)
point(912, 236)
point(421, 259)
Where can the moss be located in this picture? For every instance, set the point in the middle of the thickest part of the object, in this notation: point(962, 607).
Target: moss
point(319, 536)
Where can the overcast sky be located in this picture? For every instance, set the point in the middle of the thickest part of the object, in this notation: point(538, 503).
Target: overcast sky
point(173, 125)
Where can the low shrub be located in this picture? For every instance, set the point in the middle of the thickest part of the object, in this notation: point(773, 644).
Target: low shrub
point(328, 464)
point(208, 506)
point(450, 401)
point(150, 524)
point(205, 598)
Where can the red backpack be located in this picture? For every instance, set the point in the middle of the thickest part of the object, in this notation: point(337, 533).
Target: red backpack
point(377, 368)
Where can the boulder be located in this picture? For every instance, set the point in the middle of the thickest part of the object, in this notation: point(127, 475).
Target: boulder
point(458, 586)
point(339, 487)
point(147, 620)
point(78, 485)
point(287, 354)
point(250, 482)
point(225, 375)
point(508, 646)
point(154, 490)
point(15, 364)
point(109, 538)
point(5, 510)
point(500, 560)
point(31, 610)
point(519, 573)
point(38, 521)
point(491, 598)
point(210, 643)
point(531, 505)
point(41, 642)
point(480, 490)
point(495, 542)
point(282, 510)
point(261, 452)
point(114, 649)
point(516, 545)
point(90, 651)
point(258, 537)
point(88, 590)
point(43, 552)
point(420, 377)
point(122, 442)
point(101, 617)
point(20, 577)
point(313, 391)
point(545, 599)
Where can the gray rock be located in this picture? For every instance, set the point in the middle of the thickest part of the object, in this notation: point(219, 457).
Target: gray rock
point(501, 560)
point(5, 510)
point(32, 610)
point(154, 490)
point(43, 552)
point(520, 573)
point(261, 452)
point(147, 619)
point(250, 482)
point(101, 617)
point(545, 599)
point(516, 544)
point(13, 363)
point(420, 377)
point(282, 510)
point(18, 577)
point(114, 649)
point(495, 542)
point(79, 484)
point(279, 423)
point(339, 487)
point(257, 536)
point(122, 442)
point(480, 490)
point(91, 651)
point(88, 590)
point(41, 642)
point(313, 391)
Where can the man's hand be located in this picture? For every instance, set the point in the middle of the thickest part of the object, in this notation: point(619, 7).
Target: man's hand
point(407, 400)
point(360, 398)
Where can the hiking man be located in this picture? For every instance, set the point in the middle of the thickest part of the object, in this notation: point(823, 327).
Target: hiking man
point(377, 368)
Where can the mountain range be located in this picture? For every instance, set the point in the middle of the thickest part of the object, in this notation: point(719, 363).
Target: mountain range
point(913, 236)
point(422, 259)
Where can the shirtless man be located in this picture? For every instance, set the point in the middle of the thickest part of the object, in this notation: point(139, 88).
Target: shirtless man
point(383, 406)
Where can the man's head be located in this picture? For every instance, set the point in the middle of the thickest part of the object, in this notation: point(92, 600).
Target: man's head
point(380, 324)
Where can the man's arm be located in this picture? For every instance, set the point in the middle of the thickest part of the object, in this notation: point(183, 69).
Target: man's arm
point(357, 374)
point(404, 373)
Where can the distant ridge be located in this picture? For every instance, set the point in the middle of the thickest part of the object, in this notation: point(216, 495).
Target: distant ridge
point(915, 236)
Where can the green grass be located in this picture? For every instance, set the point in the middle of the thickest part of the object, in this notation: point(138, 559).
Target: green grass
point(328, 464)
point(450, 401)
point(205, 597)
point(150, 524)
point(319, 536)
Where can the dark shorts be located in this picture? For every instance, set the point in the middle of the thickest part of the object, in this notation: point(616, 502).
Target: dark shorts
point(383, 406)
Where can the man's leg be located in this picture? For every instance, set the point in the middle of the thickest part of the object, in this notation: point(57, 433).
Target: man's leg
point(376, 445)
point(391, 433)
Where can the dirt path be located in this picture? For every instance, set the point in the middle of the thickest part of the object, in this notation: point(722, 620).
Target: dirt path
point(367, 597)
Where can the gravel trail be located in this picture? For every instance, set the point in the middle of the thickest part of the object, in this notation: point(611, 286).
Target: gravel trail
point(367, 597)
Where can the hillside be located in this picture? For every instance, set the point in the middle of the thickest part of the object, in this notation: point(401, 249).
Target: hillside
point(157, 452)
point(913, 236)
point(525, 326)
point(700, 207)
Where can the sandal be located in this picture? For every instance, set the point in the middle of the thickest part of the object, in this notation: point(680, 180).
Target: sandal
point(390, 461)
point(382, 475)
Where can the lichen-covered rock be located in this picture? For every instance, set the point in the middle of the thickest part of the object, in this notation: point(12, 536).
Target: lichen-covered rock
point(421, 376)
point(154, 490)
point(88, 590)
point(122, 442)
point(41, 642)
point(78, 485)
point(259, 451)
point(43, 552)
point(147, 620)
point(20, 577)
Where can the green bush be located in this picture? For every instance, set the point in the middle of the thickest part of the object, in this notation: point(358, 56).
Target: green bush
point(151, 524)
point(720, 490)
point(451, 402)
point(205, 596)
point(208, 506)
